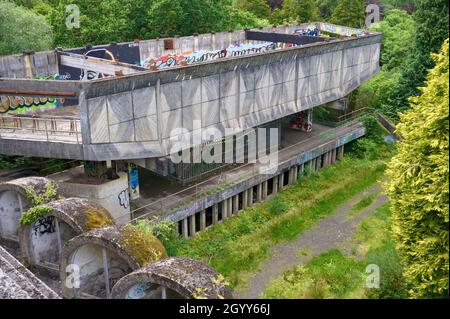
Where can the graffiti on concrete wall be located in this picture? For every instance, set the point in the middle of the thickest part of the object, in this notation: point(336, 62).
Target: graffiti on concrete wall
point(29, 104)
point(139, 290)
point(189, 57)
point(45, 225)
point(23, 105)
point(301, 120)
point(133, 180)
point(124, 199)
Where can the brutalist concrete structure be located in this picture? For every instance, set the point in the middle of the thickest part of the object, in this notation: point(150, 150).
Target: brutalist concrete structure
point(128, 116)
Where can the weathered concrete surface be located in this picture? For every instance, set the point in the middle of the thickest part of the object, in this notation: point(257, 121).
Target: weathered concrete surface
point(85, 251)
point(17, 282)
point(110, 194)
point(132, 117)
point(41, 242)
point(180, 274)
point(185, 204)
point(14, 201)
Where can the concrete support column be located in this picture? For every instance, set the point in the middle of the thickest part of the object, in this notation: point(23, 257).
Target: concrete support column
point(184, 228)
point(230, 206)
point(302, 170)
point(259, 193)
point(244, 199)
point(265, 186)
point(341, 152)
point(215, 213)
point(291, 176)
point(224, 209)
point(281, 181)
point(295, 173)
point(250, 196)
point(192, 225)
point(275, 185)
point(311, 166)
point(235, 204)
point(333, 156)
point(202, 219)
point(319, 162)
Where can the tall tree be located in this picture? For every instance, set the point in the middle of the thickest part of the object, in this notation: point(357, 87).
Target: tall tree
point(300, 10)
point(419, 185)
point(259, 8)
point(350, 13)
point(431, 18)
point(21, 30)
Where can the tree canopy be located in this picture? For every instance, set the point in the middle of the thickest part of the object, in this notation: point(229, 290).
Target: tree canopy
point(350, 13)
point(431, 19)
point(22, 30)
point(419, 185)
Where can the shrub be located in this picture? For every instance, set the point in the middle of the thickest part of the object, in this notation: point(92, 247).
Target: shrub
point(33, 214)
point(277, 206)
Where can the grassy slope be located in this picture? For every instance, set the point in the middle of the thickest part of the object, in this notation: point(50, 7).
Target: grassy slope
point(335, 275)
point(237, 246)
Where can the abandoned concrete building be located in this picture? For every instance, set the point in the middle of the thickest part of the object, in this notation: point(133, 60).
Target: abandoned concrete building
point(129, 110)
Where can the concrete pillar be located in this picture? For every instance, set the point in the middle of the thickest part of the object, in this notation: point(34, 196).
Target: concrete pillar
point(192, 224)
point(202, 219)
point(265, 187)
point(281, 181)
point(319, 162)
point(312, 166)
point(275, 185)
point(333, 156)
point(341, 152)
point(250, 196)
point(235, 204)
point(230, 206)
point(259, 193)
point(244, 199)
point(295, 173)
point(215, 213)
point(224, 209)
point(302, 170)
point(184, 228)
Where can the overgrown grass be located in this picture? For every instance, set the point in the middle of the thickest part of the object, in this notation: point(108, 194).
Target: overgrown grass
point(237, 246)
point(335, 275)
point(363, 203)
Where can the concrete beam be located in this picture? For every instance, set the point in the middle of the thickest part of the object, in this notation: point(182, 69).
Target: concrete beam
point(98, 65)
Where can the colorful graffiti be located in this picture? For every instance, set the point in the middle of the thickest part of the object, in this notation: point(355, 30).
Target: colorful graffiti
point(30, 104)
point(24, 105)
point(133, 179)
point(302, 121)
point(310, 31)
point(190, 57)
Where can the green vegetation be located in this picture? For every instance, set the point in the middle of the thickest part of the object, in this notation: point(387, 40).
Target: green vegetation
point(419, 185)
point(300, 11)
point(141, 244)
point(236, 246)
point(334, 274)
point(33, 214)
point(431, 21)
point(349, 13)
point(363, 203)
point(50, 193)
point(22, 30)
point(398, 33)
point(97, 218)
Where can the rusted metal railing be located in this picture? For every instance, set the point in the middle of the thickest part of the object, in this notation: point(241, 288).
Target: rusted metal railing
point(50, 129)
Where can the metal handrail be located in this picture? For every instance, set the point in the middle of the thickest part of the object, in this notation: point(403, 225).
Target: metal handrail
point(51, 126)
